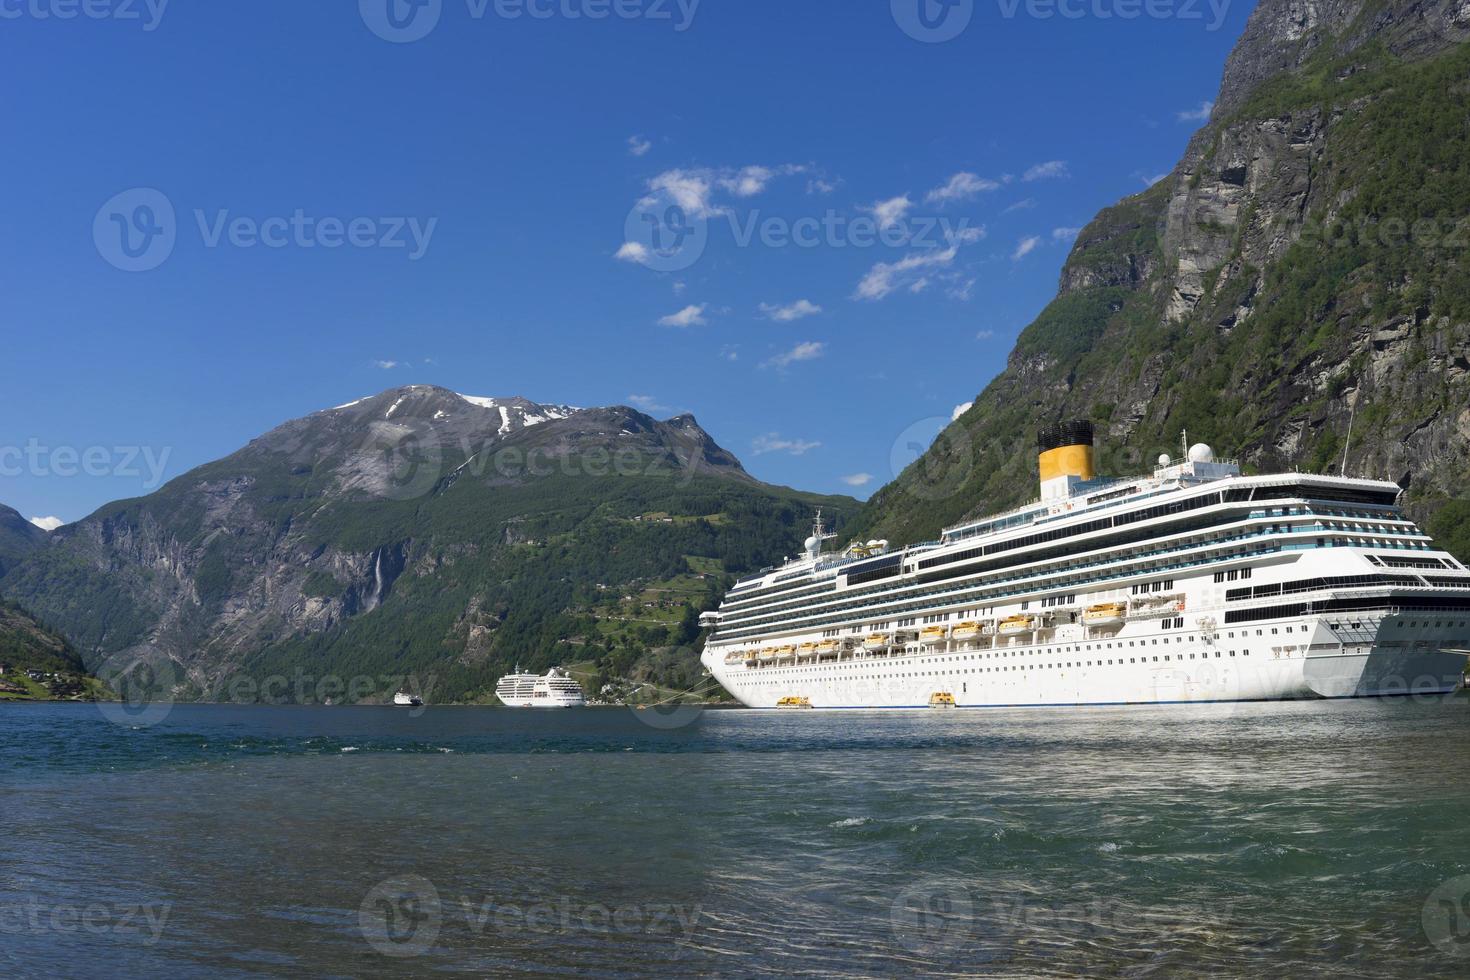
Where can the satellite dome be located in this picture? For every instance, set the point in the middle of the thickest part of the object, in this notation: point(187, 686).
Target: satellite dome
point(1164, 459)
point(812, 542)
point(1201, 453)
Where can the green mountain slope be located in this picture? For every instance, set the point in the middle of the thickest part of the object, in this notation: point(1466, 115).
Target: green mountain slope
point(18, 537)
point(26, 645)
point(1303, 271)
point(419, 532)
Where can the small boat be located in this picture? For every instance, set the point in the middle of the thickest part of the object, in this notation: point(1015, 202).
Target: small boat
point(787, 651)
point(735, 657)
point(876, 641)
point(1016, 625)
point(806, 650)
point(941, 699)
point(931, 635)
point(794, 702)
point(826, 647)
point(1105, 614)
point(405, 700)
point(768, 653)
point(967, 630)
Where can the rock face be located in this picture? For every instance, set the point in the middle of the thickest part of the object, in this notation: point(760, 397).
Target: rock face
point(1303, 270)
point(18, 537)
point(414, 531)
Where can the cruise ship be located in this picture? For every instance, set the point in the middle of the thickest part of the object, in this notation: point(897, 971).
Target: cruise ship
point(554, 690)
point(1194, 583)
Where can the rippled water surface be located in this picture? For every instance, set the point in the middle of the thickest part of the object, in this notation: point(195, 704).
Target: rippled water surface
point(1323, 839)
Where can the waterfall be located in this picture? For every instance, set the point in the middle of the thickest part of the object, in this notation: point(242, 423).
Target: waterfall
point(377, 595)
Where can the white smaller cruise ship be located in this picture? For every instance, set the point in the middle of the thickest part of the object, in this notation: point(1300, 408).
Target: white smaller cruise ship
point(554, 690)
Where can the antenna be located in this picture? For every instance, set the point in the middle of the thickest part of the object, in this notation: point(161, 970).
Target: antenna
point(1348, 444)
point(1184, 444)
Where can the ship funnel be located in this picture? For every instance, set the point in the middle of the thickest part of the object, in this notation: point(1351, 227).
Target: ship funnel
point(1067, 458)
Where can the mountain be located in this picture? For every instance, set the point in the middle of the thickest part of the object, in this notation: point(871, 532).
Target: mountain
point(18, 537)
point(26, 645)
point(421, 532)
point(1302, 273)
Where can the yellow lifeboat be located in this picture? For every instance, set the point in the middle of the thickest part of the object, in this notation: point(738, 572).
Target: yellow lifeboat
point(794, 702)
point(967, 630)
point(876, 641)
point(931, 635)
point(769, 653)
point(826, 647)
point(786, 651)
point(1105, 614)
point(1016, 625)
point(806, 649)
point(736, 656)
point(941, 699)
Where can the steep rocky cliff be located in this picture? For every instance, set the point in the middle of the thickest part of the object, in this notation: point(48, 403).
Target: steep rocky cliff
point(1304, 271)
point(417, 531)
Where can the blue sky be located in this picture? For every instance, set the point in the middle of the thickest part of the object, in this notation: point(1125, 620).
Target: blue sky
point(492, 177)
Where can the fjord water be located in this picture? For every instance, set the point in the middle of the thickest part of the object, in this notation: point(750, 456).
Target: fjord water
point(1289, 838)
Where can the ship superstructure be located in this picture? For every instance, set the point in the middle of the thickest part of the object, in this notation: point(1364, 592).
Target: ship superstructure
point(1192, 583)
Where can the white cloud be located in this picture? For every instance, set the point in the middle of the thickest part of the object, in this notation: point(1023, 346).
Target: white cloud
point(387, 365)
point(47, 523)
point(857, 479)
point(1151, 181)
point(885, 277)
point(632, 252)
point(960, 410)
point(1064, 234)
point(962, 291)
point(1047, 170)
point(638, 146)
point(985, 335)
point(806, 351)
point(961, 187)
point(646, 403)
point(1026, 246)
point(690, 189)
point(730, 352)
point(820, 185)
point(890, 212)
point(679, 287)
point(689, 316)
point(748, 181)
point(1021, 205)
point(791, 311)
point(1196, 115)
point(774, 443)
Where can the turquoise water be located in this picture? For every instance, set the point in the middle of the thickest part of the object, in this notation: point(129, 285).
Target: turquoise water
point(1313, 839)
